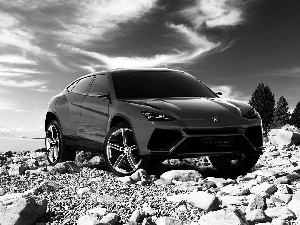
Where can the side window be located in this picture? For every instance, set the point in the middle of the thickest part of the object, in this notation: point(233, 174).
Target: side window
point(99, 86)
point(72, 85)
point(82, 85)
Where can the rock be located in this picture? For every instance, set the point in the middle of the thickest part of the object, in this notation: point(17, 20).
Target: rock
point(237, 190)
point(297, 195)
point(278, 221)
point(99, 211)
point(283, 180)
point(280, 212)
point(87, 220)
point(264, 188)
point(2, 191)
point(148, 221)
point(280, 137)
point(138, 175)
point(148, 211)
point(234, 200)
point(65, 167)
point(136, 217)
point(162, 182)
point(284, 189)
point(143, 182)
point(294, 205)
point(168, 221)
point(22, 211)
point(110, 218)
point(223, 217)
point(257, 216)
point(200, 199)
point(3, 171)
point(105, 199)
point(8, 153)
point(17, 169)
point(96, 160)
point(181, 175)
point(126, 180)
point(258, 202)
point(82, 191)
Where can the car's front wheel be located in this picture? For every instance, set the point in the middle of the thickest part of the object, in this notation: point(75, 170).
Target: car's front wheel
point(234, 164)
point(121, 152)
point(55, 148)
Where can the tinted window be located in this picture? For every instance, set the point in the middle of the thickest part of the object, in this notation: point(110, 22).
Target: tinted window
point(99, 86)
point(158, 84)
point(82, 85)
point(72, 85)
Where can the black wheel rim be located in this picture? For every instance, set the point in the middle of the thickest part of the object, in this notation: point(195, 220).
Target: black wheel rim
point(229, 162)
point(122, 151)
point(52, 143)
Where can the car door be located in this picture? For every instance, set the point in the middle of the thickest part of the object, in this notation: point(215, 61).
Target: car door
point(94, 112)
point(76, 93)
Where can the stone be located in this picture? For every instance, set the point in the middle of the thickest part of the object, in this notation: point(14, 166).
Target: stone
point(65, 167)
point(105, 199)
point(110, 218)
point(286, 198)
point(17, 169)
point(148, 211)
point(223, 217)
point(199, 199)
point(168, 221)
point(2, 191)
point(148, 221)
point(257, 216)
point(99, 211)
point(234, 200)
point(163, 182)
point(85, 190)
point(284, 189)
point(138, 175)
point(87, 220)
point(8, 153)
point(280, 137)
point(3, 171)
point(237, 190)
point(136, 216)
point(181, 175)
point(21, 211)
point(280, 212)
point(126, 180)
point(294, 205)
point(96, 160)
point(283, 180)
point(297, 195)
point(278, 221)
point(143, 182)
point(258, 202)
point(264, 188)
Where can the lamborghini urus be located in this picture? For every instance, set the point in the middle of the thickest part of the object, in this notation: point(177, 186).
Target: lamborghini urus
point(134, 117)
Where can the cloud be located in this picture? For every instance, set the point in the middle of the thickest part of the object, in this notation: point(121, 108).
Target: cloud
point(214, 13)
point(5, 69)
point(21, 84)
point(94, 18)
point(15, 59)
point(7, 104)
point(291, 72)
point(229, 91)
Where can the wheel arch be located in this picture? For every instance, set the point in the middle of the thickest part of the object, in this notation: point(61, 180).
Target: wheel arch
point(117, 119)
point(49, 117)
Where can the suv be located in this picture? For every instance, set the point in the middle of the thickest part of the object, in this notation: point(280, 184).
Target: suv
point(136, 117)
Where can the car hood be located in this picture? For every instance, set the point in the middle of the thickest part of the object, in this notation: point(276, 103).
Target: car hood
point(198, 108)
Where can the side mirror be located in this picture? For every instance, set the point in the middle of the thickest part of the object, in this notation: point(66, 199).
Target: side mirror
point(218, 93)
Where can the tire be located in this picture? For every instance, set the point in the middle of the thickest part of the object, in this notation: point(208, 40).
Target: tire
point(56, 150)
point(234, 164)
point(121, 152)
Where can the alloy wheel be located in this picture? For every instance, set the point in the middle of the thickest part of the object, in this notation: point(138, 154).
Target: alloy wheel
point(122, 151)
point(52, 143)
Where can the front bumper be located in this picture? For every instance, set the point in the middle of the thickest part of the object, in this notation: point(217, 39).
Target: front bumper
point(167, 140)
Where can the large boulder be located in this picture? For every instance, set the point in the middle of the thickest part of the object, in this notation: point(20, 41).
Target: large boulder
point(21, 211)
point(200, 199)
point(281, 137)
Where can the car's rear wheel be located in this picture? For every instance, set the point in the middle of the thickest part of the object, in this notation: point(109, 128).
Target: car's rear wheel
point(121, 152)
point(234, 164)
point(55, 148)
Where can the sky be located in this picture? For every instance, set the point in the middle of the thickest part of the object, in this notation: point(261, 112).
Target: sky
point(231, 46)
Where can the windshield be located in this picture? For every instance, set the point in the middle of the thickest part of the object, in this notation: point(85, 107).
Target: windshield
point(158, 84)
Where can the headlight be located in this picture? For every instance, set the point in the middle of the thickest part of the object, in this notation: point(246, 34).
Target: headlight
point(156, 116)
point(252, 114)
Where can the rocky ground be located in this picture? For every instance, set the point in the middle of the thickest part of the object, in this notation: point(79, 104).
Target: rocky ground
point(186, 191)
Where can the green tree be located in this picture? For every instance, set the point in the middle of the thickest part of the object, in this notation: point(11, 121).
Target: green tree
point(281, 114)
point(264, 102)
point(295, 118)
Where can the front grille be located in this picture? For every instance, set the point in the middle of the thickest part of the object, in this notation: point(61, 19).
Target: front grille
point(254, 135)
point(213, 131)
point(163, 140)
point(195, 145)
